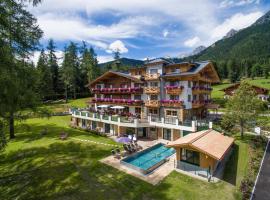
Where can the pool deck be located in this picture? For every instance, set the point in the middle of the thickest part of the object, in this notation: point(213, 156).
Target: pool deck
point(153, 178)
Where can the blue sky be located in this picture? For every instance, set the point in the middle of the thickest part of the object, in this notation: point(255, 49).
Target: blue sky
point(142, 29)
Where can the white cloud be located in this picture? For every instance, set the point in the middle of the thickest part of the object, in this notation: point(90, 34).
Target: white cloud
point(234, 3)
point(165, 33)
point(237, 22)
point(192, 42)
point(117, 45)
point(59, 19)
point(103, 59)
point(59, 54)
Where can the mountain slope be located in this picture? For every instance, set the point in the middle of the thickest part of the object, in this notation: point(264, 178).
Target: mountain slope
point(248, 43)
point(127, 62)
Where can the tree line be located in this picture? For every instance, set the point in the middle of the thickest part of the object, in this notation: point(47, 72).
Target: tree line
point(234, 69)
point(23, 85)
point(79, 67)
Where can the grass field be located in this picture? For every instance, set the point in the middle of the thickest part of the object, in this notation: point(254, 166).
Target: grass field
point(44, 167)
point(62, 107)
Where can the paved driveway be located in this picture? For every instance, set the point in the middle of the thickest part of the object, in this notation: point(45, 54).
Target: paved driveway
point(262, 188)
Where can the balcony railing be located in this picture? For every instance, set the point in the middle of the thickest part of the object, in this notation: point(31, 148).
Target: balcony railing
point(174, 90)
point(152, 103)
point(151, 90)
point(201, 89)
point(130, 90)
point(117, 101)
point(197, 104)
point(149, 77)
point(172, 103)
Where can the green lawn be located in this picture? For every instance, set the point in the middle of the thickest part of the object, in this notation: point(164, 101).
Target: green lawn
point(44, 167)
point(61, 107)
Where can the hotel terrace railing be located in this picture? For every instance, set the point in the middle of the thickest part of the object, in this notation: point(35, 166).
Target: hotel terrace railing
point(172, 122)
point(149, 77)
point(168, 122)
point(111, 119)
point(174, 90)
point(172, 103)
point(117, 101)
point(201, 89)
point(152, 103)
point(197, 104)
point(151, 90)
point(130, 90)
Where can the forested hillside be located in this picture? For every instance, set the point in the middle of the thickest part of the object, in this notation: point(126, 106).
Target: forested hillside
point(245, 54)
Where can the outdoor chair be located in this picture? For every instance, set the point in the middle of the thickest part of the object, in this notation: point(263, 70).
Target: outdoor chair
point(63, 136)
point(116, 155)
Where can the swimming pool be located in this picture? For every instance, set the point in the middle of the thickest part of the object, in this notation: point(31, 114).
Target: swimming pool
point(148, 159)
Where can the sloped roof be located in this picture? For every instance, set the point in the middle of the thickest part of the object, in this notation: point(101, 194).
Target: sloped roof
point(157, 60)
point(115, 73)
point(209, 142)
point(237, 84)
point(198, 66)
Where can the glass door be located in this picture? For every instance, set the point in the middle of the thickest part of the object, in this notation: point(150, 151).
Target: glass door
point(167, 134)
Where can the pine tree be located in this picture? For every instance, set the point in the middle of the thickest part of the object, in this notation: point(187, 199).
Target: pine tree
point(232, 71)
point(117, 62)
point(70, 69)
point(53, 65)
point(45, 81)
point(19, 35)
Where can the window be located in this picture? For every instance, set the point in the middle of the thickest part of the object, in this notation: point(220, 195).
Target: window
point(173, 83)
point(153, 97)
point(123, 85)
point(174, 97)
point(167, 134)
point(138, 110)
point(153, 84)
point(153, 111)
point(194, 97)
point(189, 84)
point(171, 112)
point(189, 156)
point(137, 85)
point(153, 71)
point(189, 98)
point(98, 96)
point(98, 86)
point(137, 97)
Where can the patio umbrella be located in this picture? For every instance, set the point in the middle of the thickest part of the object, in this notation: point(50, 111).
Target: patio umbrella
point(103, 106)
point(123, 140)
point(117, 107)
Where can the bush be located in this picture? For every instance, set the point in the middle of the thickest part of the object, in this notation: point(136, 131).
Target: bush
point(246, 187)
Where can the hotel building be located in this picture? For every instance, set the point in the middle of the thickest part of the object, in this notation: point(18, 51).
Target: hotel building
point(161, 99)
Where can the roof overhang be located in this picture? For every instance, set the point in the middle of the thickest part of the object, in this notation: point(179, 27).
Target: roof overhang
point(109, 73)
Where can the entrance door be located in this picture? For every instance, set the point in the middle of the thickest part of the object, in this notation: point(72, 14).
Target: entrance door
point(167, 134)
point(107, 128)
point(94, 125)
point(142, 132)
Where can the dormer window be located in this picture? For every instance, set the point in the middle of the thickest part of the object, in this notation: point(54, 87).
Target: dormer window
point(153, 71)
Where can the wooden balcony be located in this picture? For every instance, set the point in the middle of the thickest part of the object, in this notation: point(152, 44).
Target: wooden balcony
point(172, 103)
point(151, 90)
point(150, 77)
point(198, 104)
point(130, 90)
point(126, 102)
point(174, 90)
point(201, 90)
point(152, 103)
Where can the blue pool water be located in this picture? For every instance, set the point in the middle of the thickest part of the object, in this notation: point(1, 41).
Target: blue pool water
point(149, 158)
